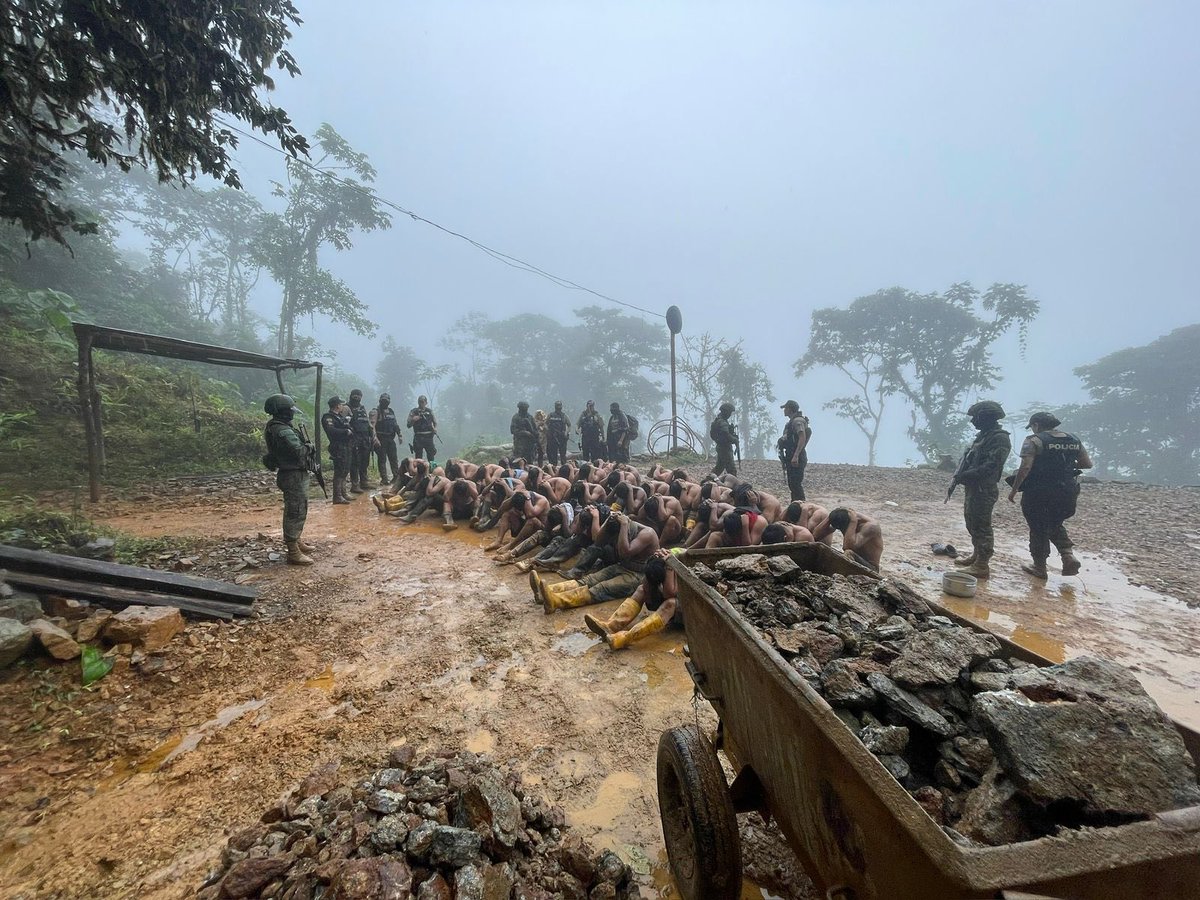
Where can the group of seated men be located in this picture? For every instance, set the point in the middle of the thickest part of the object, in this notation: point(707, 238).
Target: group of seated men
point(613, 526)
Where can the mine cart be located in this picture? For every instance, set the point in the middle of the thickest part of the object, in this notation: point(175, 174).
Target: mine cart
point(857, 831)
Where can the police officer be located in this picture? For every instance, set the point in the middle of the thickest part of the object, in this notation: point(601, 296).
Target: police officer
point(338, 432)
point(1049, 487)
point(793, 448)
point(724, 435)
point(590, 428)
point(361, 442)
point(384, 426)
point(979, 472)
point(292, 458)
point(424, 425)
point(618, 434)
point(524, 433)
point(558, 430)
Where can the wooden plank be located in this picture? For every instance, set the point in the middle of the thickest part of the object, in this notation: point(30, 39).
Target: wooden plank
point(57, 565)
point(108, 595)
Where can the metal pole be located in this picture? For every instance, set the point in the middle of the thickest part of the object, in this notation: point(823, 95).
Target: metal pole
point(674, 414)
point(317, 414)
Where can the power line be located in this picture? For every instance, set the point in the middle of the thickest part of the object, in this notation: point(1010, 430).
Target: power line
point(498, 255)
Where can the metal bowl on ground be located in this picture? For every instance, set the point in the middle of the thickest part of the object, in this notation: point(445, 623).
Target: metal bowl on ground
point(958, 584)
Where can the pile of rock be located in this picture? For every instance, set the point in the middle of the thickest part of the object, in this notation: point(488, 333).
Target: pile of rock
point(60, 626)
point(444, 828)
point(995, 750)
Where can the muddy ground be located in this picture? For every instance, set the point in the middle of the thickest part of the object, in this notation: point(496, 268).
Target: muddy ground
point(407, 635)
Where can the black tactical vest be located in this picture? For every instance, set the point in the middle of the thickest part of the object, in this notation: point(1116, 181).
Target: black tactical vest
point(360, 421)
point(385, 423)
point(1055, 463)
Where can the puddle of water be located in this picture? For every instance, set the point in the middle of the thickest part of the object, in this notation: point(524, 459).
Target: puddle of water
point(482, 741)
point(612, 799)
point(323, 682)
point(575, 643)
point(664, 885)
point(1098, 612)
point(653, 673)
point(223, 719)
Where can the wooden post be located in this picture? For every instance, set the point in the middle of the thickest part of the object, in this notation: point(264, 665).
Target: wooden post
point(97, 412)
point(85, 411)
point(317, 414)
point(279, 380)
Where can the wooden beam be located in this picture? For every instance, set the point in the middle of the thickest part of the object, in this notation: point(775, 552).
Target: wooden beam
point(113, 597)
point(56, 565)
point(83, 382)
point(317, 415)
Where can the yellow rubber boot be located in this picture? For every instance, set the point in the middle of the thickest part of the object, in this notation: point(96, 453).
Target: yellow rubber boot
point(652, 624)
point(620, 619)
point(568, 599)
point(380, 502)
point(393, 504)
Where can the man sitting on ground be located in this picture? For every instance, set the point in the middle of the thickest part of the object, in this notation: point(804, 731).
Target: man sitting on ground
point(786, 533)
point(739, 528)
point(635, 544)
point(658, 593)
point(862, 538)
point(808, 515)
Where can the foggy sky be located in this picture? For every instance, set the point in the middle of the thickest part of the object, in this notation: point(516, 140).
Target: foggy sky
point(751, 162)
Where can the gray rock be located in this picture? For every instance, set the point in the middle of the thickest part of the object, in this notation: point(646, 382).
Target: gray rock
point(806, 669)
point(909, 706)
point(385, 801)
point(842, 685)
point(995, 664)
point(940, 622)
point(946, 775)
point(975, 751)
point(392, 779)
point(389, 833)
point(1083, 678)
point(894, 629)
point(489, 807)
point(807, 639)
point(783, 568)
point(750, 565)
point(889, 739)
point(453, 847)
point(420, 839)
point(992, 813)
point(20, 606)
point(426, 790)
point(705, 574)
point(897, 767)
point(983, 682)
point(468, 883)
point(857, 595)
point(936, 657)
point(1107, 759)
point(15, 638)
point(849, 719)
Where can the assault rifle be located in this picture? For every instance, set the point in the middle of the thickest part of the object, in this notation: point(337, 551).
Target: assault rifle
point(954, 481)
point(311, 461)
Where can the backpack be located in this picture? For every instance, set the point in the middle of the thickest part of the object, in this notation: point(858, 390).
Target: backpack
point(632, 433)
point(713, 433)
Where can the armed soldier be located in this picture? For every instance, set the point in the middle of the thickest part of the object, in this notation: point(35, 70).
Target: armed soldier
point(384, 427)
point(793, 448)
point(1049, 487)
point(361, 443)
point(424, 425)
point(979, 473)
point(524, 433)
point(618, 434)
point(293, 458)
point(724, 435)
point(338, 432)
point(558, 430)
point(591, 432)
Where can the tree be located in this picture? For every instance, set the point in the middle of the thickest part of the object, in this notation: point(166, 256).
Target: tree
point(749, 387)
point(135, 84)
point(704, 358)
point(399, 371)
point(1144, 418)
point(321, 211)
point(856, 342)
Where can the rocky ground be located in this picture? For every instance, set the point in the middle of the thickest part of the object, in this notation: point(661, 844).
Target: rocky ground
point(409, 638)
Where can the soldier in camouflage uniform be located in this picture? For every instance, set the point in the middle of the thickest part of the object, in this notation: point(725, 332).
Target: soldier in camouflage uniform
point(292, 458)
point(524, 433)
point(979, 473)
point(725, 437)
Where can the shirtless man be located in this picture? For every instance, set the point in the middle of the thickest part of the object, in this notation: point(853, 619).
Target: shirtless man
point(716, 491)
point(739, 528)
point(521, 515)
point(491, 501)
point(688, 495)
point(665, 516)
point(785, 533)
point(554, 489)
point(463, 499)
point(460, 468)
point(810, 516)
point(628, 498)
point(585, 492)
point(708, 520)
point(767, 504)
point(658, 594)
point(651, 487)
point(635, 545)
point(862, 538)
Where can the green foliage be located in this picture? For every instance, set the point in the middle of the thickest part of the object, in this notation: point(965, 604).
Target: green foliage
point(1144, 418)
point(135, 85)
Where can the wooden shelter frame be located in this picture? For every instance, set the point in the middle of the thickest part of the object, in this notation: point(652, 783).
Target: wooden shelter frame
point(100, 337)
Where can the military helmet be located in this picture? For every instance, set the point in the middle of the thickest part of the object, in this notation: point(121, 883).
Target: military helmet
point(791, 406)
point(422, 399)
point(355, 393)
point(726, 407)
point(1044, 421)
point(988, 409)
point(523, 405)
point(277, 403)
point(385, 396)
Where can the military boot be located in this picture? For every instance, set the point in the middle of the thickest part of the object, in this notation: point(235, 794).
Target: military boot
point(966, 560)
point(339, 492)
point(355, 489)
point(978, 568)
point(305, 546)
point(652, 624)
point(1037, 569)
point(296, 556)
point(1070, 563)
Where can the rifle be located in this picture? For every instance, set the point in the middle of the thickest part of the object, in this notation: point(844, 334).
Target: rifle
point(311, 461)
point(954, 481)
point(737, 445)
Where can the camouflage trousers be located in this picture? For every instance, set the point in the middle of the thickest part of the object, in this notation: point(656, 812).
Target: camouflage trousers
point(294, 484)
point(613, 582)
point(725, 461)
point(977, 514)
point(795, 477)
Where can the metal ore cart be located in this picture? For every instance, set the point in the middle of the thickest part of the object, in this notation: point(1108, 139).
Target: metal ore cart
point(857, 831)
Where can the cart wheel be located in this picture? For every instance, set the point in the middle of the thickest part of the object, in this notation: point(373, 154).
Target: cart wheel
point(698, 821)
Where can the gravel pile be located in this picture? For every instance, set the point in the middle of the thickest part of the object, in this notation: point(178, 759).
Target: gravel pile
point(446, 828)
point(994, 749)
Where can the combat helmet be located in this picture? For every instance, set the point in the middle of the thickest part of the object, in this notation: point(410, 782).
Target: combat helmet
point(988, 409)
point(277, 403)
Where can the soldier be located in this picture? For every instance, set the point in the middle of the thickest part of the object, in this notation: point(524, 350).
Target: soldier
point(618, 434)
point(590, 428)
point(524, 433)
point(558, 430)
point(385, 427)
point(539, 426)
point(1049, 487)
point(361, 442)
point(979, 472)
point(724, 435)
point(338, 433)
point(793, 448)
point(292, 458)
point(424, 425)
